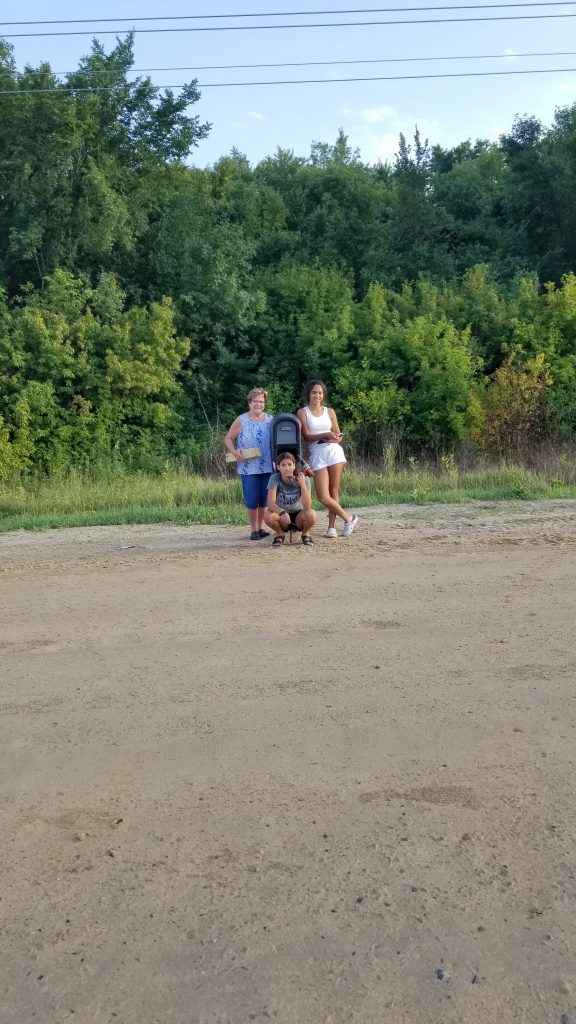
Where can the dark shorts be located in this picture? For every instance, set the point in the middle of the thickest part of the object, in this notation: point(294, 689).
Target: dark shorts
point(293, 518)
point(255, 489)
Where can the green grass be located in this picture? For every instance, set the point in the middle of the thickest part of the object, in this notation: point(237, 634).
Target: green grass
point(175, 496)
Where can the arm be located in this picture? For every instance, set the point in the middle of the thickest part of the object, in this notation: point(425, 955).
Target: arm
point(335, 428)
point(305, 491)
point(273, 506)
point(327, 436)
point(271, 502)
point(230, 438)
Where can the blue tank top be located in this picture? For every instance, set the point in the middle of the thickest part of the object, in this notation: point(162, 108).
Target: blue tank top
point(255, 434)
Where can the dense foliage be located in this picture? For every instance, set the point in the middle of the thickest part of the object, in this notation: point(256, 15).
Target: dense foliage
point(140, 296)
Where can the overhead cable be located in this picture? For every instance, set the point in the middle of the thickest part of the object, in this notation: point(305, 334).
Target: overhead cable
point(336, 63)
point(254, 28)
point(287, 14)
point(300, 81)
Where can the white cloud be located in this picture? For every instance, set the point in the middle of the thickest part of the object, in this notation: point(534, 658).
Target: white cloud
point(375, 130)
point(257, 117)
point(383, 145)
point(567, 88)
point(376, 115)
point(510, 54)
point(377, 148)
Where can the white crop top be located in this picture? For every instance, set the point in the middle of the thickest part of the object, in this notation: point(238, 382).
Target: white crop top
point(321, 424)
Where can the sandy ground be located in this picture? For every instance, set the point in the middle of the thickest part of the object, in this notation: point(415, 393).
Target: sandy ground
point(303, 786)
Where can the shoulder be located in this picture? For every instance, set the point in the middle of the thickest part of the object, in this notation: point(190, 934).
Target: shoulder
point(235, 423)
point(274, 480)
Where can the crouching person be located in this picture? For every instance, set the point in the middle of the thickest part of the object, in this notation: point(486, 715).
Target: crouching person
point(289, 501)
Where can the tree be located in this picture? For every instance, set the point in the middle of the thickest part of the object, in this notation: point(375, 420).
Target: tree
point(534, 201)
point(76, 161)
point(415, 225)
point(305, 329)
point(413, 368)
point(467, 184)
point(82, 377)
point(512, 411)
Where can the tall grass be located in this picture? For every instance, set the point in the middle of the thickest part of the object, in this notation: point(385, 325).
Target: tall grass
point(107, 495)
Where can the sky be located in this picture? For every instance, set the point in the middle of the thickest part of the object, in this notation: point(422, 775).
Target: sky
point(257, 119)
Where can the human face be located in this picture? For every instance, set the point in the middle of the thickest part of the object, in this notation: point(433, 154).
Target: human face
point(256, 405)
point(287, 469)
point(317, 395)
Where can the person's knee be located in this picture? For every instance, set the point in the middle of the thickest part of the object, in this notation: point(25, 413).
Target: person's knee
point(309, 518)
point(250, 493)
point(323, 495)
point(271, 518)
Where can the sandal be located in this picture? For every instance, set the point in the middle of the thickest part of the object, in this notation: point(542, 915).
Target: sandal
point(277, 541)
point(307, 540)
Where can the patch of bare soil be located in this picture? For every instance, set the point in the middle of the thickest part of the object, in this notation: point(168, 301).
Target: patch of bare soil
point(333, 785)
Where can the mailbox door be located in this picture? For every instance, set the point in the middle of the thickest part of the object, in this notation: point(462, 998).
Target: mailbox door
point(285, 435)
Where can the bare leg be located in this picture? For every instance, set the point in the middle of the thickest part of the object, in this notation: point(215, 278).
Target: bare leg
point(261, 518)
point(334, 474)
point(322, 485)
point(305, 520)
point(272, 519)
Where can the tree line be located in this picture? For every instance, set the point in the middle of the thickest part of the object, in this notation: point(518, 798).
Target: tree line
point(142, 296)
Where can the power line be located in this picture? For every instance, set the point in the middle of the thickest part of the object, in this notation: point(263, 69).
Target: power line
point(335, 63)
point(323, 63)
point(381, 78)
point(288, 14)
point(322, 24)
point(299, 81)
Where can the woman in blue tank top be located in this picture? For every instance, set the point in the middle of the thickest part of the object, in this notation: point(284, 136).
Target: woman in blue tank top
point(252, 430)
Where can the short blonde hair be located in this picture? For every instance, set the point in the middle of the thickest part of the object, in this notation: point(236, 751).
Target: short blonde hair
point(256, 391)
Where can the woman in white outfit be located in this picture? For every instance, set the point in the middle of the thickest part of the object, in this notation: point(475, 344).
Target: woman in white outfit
point(321, 431)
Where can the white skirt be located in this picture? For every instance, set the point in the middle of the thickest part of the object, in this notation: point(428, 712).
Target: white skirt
point(323, 455)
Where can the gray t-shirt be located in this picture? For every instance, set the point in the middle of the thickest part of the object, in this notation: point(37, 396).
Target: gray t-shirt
point(288, 496)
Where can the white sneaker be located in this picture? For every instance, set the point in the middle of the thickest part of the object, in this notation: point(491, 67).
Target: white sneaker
point(348, 527)
point(331, 532)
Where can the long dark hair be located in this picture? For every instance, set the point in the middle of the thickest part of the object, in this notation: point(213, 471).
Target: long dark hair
point(312, 384)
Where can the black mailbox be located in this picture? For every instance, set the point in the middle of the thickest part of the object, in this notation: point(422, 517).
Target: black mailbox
point(285, 436)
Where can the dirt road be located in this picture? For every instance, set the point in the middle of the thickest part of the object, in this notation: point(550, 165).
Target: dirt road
point(325, 786)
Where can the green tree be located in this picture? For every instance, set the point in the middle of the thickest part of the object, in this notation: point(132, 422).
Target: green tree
point(512, 411)
point(432, 365)
point(335, 210)
point(75, 161)
point(81, 377)
point(467, 184)
point(305, 329)
point(534, 200)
